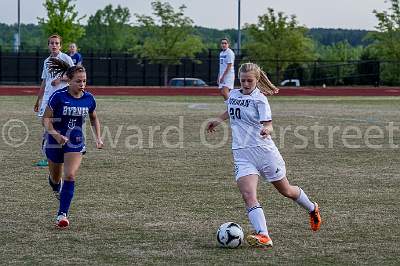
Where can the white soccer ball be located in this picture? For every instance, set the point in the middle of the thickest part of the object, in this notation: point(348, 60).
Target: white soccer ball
point(230, 235)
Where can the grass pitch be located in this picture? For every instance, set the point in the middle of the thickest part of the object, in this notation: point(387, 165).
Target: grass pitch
point(159, 190)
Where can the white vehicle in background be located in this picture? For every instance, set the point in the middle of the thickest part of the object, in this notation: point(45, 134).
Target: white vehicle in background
point(291, 83)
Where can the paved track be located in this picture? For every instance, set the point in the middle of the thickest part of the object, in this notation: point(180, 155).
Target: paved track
point(212, 91)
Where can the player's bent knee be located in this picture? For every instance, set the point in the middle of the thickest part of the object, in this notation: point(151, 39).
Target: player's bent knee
point(70, 176)
point(249, 198)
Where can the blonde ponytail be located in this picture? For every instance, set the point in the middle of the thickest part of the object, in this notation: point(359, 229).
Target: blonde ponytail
point(263, 83)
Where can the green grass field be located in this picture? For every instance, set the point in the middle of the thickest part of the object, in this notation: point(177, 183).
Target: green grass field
point(160, 200)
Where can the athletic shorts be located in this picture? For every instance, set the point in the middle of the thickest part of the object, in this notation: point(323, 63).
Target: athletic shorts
point(228, 81)
point(55, 152)
point(263, 161)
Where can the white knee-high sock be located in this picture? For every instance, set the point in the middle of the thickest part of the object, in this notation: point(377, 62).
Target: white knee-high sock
point(43, 147)
point(305, 202)
point(257, 219)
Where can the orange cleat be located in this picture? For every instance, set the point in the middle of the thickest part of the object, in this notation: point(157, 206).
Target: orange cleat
point(258, 240)
point(315, 218)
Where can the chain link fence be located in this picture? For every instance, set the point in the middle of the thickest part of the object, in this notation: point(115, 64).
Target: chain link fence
point(123, 69)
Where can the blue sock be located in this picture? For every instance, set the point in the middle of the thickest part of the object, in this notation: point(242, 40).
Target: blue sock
point(55, 187)
point(66, 195)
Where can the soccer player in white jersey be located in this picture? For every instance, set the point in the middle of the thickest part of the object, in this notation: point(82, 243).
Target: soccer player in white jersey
point(50, 84)
point(226, 76)
point(255, 153)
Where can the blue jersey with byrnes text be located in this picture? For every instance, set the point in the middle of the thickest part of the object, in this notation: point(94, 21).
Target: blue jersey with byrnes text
point(70, 113)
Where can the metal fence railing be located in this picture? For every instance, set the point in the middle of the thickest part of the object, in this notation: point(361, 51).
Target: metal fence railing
point(113, 69)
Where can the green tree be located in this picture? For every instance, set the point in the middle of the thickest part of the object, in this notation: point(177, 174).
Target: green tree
point(338, 55)
point(62, 19)
point(212, 37)
point(275, 40)
point(387, 38)
point(331, 36)
point(6, 36)
point(340, 51)
point(386, 41)
point(108, 29)
point(168, 37)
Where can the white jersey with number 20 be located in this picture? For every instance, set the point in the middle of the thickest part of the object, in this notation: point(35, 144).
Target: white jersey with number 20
point(246, 113)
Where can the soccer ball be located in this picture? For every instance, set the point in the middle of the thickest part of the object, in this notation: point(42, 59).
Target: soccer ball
point(230, 235)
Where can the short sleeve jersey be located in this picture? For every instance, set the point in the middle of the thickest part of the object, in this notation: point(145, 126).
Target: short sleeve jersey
point(76, 58)
point(70, 114)
point(49, 89)
point(226, 57)
point(246, 113)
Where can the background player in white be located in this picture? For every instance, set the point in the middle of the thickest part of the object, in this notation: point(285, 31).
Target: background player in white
point(255, 153)
point(226, 76)
point(49, 84)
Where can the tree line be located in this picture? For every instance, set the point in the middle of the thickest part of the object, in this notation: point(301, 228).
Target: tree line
point(168, 35)
point(33, 37)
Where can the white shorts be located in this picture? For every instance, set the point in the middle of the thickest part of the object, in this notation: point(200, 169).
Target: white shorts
point(262, 161)
point(229, 81)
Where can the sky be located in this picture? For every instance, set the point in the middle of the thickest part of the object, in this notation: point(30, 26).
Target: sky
point(223, 14)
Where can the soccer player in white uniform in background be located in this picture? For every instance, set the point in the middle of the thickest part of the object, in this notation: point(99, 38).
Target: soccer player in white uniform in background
point(226, 76)
point(255, 153)
point(49, 84)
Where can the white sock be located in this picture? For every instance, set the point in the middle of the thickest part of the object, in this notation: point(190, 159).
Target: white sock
point(257, 219)
point(43, 148)
point(304, 201)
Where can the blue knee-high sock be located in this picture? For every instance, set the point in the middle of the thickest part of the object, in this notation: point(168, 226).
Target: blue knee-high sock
point(66, 195)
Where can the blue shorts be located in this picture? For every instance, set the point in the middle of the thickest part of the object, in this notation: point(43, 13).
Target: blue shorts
point(55, 152)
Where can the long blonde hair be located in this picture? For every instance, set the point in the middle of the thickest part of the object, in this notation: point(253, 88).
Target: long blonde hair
point(263, 83)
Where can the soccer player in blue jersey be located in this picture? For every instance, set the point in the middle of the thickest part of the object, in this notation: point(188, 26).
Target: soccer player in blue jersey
point(75, 56)
point(64, 120)
point(255, 153)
